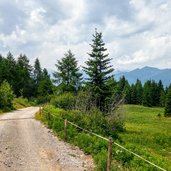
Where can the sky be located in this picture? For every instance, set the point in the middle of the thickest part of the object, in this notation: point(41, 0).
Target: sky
point(137, 33)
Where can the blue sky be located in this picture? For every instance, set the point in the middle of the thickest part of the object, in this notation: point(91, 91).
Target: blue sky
point(136, 32)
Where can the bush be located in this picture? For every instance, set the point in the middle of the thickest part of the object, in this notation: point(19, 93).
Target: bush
point(101, 160)
point(43, 99)
point(83, 101)
point(20, 102)
point(65, 101)
point(6, 96)
point(93, 121)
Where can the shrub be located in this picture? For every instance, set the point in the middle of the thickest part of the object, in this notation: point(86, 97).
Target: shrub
point(83, 101)
point(64, 101)
point(43, 99)
point(101, 160)
point(20, 102)
point(6, 96)
point(92, 120)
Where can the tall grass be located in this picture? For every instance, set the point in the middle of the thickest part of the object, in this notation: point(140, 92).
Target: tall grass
point(146, 133)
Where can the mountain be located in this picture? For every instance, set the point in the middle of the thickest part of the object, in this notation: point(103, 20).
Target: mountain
point(147, 73)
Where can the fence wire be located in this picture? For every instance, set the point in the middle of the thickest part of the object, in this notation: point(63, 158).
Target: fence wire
point(106, 139)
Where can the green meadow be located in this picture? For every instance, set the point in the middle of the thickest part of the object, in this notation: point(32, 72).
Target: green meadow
point(148, 133)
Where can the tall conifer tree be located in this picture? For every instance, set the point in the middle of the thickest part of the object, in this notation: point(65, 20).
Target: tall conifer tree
point(168, 103)
point(68, 76)
point(98, 70)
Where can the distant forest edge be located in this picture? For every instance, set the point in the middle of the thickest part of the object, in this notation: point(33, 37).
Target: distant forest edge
point(33, 82)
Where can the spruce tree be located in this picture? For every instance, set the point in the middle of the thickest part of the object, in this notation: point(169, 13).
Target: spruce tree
point(168, 103)
point(139, 92)
point(37, 72)
point(147, 97)
point(24, 82)
point(98, 70)
point(68, 76)
point(11, 71)
point(45, 85)
point(161, 94)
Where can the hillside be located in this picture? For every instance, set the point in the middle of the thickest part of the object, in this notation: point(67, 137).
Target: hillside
point(147, 73)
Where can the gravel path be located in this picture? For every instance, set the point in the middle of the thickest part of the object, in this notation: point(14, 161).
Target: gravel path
point(27, 145)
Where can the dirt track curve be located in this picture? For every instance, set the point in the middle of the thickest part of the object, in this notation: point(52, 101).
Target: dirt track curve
point(27, 145)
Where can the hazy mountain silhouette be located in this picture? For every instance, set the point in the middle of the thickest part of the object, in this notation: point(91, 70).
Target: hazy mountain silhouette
point(147, 73)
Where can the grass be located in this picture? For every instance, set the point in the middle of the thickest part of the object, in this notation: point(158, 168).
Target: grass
point(147, 129)
point(20, 102)
point(147, 133)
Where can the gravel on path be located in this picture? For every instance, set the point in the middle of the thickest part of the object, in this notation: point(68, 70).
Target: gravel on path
point(27, 145)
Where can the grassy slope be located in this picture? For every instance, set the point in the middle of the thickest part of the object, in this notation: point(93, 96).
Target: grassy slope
point(146, 130)
point(19, 103)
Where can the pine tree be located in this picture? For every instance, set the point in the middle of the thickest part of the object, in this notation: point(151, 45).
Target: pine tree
point(98, 70)
point(37, 72)
point(155, 95)
point(161, 94)
point(68, 76)
point(139, 92)
point(121, 86)
point(147, 98)
point(168, 103)
point(133, 94)
point(45, 85)
point(24, 82)
point(11, 71)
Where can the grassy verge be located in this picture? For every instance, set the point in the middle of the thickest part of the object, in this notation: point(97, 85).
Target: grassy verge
point(147, 134)
point(20, 102)
point(89, 144)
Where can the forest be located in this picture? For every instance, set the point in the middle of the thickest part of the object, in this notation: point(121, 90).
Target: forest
point(19, 79)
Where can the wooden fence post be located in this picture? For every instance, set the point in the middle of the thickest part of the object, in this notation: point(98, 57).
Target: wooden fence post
point(65, 129)
point(109, 160)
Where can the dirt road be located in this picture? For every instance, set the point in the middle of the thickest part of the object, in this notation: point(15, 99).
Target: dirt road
point(27, 145)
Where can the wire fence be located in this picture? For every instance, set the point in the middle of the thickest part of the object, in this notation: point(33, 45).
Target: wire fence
point(110, 140)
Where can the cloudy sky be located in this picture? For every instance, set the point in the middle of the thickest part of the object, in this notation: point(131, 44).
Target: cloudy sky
point(136, 32)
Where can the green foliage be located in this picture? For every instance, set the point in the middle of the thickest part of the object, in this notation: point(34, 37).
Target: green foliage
point(65, 101)
point(153, 94)
point(20, 102)
point(43, 84)
point(99, 71)
point(6, 96)
point(25, 80)
point(68, 76)
point(83, 101)
point(101, 160)
point(168, 103)
point(92, 120)
point(147, 135)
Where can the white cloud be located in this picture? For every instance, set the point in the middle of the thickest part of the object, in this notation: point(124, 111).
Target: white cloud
point(136, 33)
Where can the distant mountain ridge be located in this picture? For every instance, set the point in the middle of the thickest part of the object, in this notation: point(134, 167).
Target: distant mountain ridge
point(147, 73)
